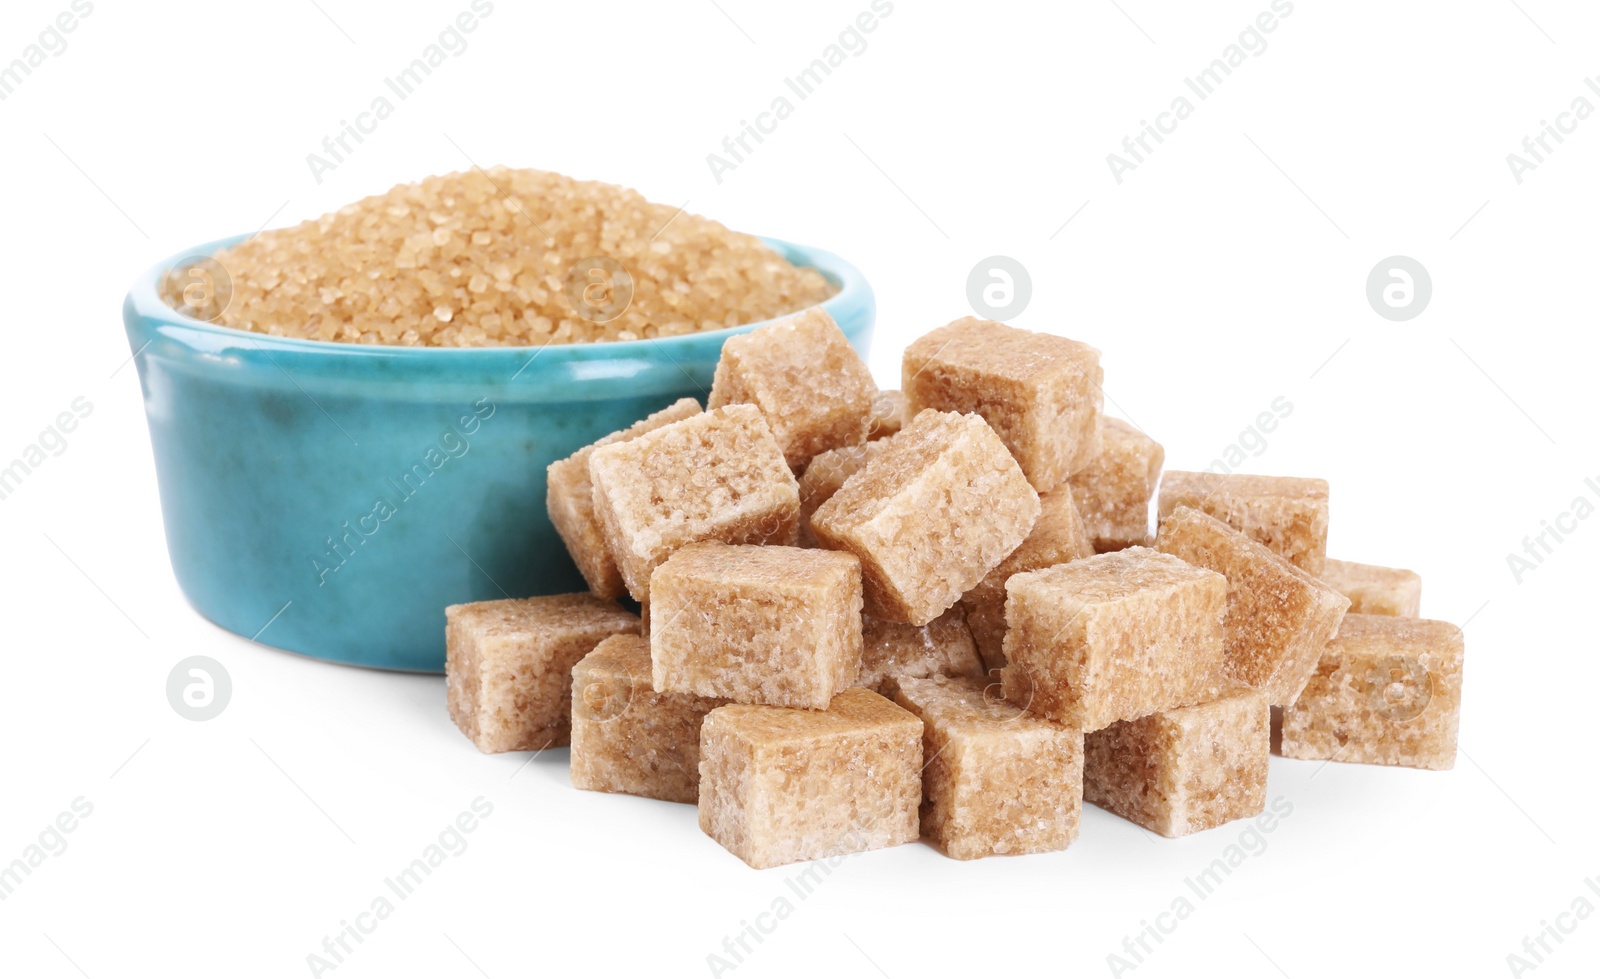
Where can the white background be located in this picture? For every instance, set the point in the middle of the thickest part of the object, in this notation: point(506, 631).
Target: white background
point(1226, 271)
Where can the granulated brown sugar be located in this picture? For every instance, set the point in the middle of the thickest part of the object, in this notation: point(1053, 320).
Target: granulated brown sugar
point(483, 259)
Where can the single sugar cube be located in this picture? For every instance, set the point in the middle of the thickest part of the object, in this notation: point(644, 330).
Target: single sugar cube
point(757, 625)
point(823, 477)
point(1375, 590)
point(1113, 637)
point(508, 665)
point(1279, 618)
point(779, 785)
point(892, 649)
point(1181, 771)
point(1286, 513)
point(628, 738)
point(569, 497)
point(888, 415)
point(939, 507)
point(1387, 692)
point(809, 383)
point(998, 779)
point(1057, 536)
point(1041, 393)
point(1114, 490)
point(988, 626)
point(718, 475)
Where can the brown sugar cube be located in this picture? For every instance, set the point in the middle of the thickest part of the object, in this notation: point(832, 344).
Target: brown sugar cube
point(1181, 771)
point(1387, 692)
point(508, 665)
point(888, 415)
point(1113, 491)
point(757, 625)
point(1287, 514)
point(893, 649)
point(569, 496)
point(939, 507)
point(779, 785)
point(1057, 536)
point(988, 626)
point(628, 738)
point(823, 477)
point(718, 475)
point(1278, 617)
point(809, 383)
point(999, 780)
point(1113, 637)
point(1041, 393)
point(1375, 590)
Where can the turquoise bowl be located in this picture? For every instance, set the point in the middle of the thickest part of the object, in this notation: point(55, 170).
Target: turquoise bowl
point(331, 499)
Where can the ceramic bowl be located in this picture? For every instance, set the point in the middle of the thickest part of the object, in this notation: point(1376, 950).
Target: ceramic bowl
point(331, 499)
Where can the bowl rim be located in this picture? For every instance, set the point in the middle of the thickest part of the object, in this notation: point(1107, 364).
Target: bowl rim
point(144, 303)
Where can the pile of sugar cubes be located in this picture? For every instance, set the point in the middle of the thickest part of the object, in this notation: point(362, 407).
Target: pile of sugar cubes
point(872, 617)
